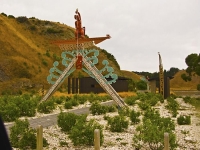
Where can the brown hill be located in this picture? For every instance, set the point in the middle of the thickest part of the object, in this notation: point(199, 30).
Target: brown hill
point(177, 83)
point(130, 75)
point(27, 55)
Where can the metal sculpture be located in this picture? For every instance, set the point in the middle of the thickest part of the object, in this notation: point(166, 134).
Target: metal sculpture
point(74, 54)
point(80, 31)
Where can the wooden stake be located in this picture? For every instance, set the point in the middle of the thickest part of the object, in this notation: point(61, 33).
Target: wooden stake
point(166, 141)
point(39, 137)
point(96, 139)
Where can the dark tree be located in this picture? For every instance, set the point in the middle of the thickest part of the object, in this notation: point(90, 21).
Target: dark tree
point(193, 63)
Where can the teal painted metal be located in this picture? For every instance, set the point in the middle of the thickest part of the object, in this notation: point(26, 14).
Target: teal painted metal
point(55, 73)
point(92, 54)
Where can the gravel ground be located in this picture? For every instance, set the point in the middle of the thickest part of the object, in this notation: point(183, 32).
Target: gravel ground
point(188, 136)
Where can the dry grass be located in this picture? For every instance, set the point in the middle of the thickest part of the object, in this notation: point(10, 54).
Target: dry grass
point(131, 75)
point(177, 83)
point(121, 94)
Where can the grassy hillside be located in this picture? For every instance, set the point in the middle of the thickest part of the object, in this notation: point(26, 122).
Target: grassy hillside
point(177, 83)
point(27, 55)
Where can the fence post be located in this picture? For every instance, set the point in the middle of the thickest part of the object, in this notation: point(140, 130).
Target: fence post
point(96, 139)
point(39, 137)
point(166, 141)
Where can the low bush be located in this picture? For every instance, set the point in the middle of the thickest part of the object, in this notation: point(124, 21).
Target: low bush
point(66, 121)
point(46, 107)
point(184, 120)
point(130, 100)
point(82, 133)
point(187, 99)
point(13, 107)
point(111, 108)
point(82, 99)
point(24, 137)
point(172, 106)
point(68, 105)
point(144, 105)
point(74, 102)
point(152, 130)
point(97, 109)
point(134, 116)
point(117, 123)
point(9, 112)
point(124, 112)
point(58, 100)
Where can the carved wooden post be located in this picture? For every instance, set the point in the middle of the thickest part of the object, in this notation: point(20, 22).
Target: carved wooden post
point(166, 141)
point(96, 139)
point(39, 137)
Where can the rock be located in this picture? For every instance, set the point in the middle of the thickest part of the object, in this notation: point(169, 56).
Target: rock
point(189, 139)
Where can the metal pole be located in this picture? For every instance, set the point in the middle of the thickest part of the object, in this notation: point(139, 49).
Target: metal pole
point(96, 139)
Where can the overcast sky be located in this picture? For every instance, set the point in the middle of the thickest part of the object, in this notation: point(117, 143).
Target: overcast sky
point(139, 28)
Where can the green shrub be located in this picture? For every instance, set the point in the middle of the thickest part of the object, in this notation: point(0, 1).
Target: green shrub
point(66, 121)
point(160, 97)
point(153, 101)
point(184, 120)
point(68, 105)
point(144, 105)
point(94, 97)
point(46, 107)
point(111, 108)
point(131, 85)
point(172, 106)
point(124, 112)
point(103, 98)
point(68, 98)
point(152, 130)
point(83, 132)
point(10, 112)
point(118, 123)
point(23, 137)
point(74, 102)
point(105, 117)
point(27, 105)
point(130, 100)
point(134, 116)
point(187, 99)
point(17, 130)
point(82, 99)
point(58, 100)
point(97, 109)
point(13, 107)
point(141, 85)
